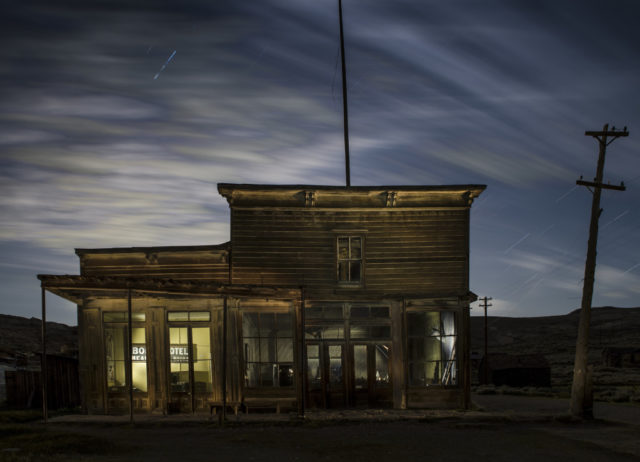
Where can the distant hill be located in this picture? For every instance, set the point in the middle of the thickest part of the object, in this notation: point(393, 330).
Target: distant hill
point(20, 335)
point(555, 338)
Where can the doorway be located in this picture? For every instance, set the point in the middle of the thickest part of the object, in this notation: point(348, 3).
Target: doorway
point(190, 371)
point(341, 375)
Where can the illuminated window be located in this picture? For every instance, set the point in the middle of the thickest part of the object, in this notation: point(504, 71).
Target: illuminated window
point(268, 349)
point(349, 259)
point(115, 344)
point(432, 348)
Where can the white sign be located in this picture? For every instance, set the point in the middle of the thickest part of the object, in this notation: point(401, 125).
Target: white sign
point(179, 353)
point(138, 353)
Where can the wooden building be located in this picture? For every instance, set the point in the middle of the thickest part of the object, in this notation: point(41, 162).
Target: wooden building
point(324, 297)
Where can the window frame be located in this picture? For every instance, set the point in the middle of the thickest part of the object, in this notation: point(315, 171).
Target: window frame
point(260, 339)
point(443, 361)
point(119, 320)
point(350, 259)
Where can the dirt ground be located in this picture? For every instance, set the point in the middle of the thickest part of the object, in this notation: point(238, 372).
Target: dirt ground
point(503, 428)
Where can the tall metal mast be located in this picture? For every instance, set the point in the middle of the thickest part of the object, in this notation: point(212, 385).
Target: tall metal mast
point(344, 101)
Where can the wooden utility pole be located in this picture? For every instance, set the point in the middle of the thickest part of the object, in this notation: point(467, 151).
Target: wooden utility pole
point(485, 370)
point(43, 360)
point(344, 101)
point(581, 400)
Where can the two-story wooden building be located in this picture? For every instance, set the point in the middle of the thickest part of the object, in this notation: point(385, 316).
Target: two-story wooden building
point(325, 296)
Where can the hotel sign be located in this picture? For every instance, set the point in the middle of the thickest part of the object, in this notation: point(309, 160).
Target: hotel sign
point(179, 353)
point(138, 352)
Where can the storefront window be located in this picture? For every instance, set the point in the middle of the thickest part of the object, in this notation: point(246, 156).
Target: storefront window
point(432, 348)
point(115, 344)
point(268, 349)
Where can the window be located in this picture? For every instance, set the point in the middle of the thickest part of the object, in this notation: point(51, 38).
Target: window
point(115, 345)
point(432, 348)
point(349, 259)
point(268, 349)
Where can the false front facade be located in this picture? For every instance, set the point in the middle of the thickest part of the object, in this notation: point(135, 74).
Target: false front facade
point(324, 297)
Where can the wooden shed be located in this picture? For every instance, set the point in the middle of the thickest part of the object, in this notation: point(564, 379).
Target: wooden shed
point(325, 296)
point(516, 370)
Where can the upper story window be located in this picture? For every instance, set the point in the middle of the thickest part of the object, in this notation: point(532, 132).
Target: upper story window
point(349, 259)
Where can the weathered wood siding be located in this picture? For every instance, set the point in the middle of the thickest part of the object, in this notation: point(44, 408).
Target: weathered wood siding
point(200, 264)
point(424, 251)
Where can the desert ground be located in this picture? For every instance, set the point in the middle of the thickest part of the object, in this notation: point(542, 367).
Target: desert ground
point(500, 428)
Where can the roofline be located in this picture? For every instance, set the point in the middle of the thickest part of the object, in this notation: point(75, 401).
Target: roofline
point(177, 248)
point(284, 187)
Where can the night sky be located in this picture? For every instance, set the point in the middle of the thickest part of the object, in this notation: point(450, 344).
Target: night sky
point(118, 119)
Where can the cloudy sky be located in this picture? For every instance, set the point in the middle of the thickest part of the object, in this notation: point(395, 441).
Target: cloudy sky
point(118, 118)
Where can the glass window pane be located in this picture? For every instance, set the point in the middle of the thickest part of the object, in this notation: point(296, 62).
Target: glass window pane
point(359, 311)
point(417, 348)
point(267, 325)
point(138, 359)
point(178, 316)
point(335, 371)
point(343, 248)
point(343, 271)
point(380, 311)
point(285, 375)
point(268, 375)
point(355, 271)
point(416, 324)
point(285, 350)
point(333, 332)
point(450, 374)
point(448, 348)
point(382, 365)
point(313, 351)
point(448, 323)
point(137, 316)
point(115, 346)
point(360, 367)
point(114, 316)
point(252, 375)
point(199, 316)
point(433, 372)
point(251, 350)
point(332, 312)
point(356, 248)
point(313, 373)
point(313, 332)
point(250, 325)
point(139, 376)
point(268, 350)
point(285, 324)
point(202, 373)
point(313, 312)
point(380, 332)
point(358, 332)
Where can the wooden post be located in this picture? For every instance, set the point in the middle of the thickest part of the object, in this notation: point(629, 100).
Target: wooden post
point(129, 363)
point(223, 413)
point(579, 403)
point(43, 360)
point(302, 370)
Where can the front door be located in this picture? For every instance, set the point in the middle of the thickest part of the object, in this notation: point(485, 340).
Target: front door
point(370, 380)
point(326, 387)
point(190, 374)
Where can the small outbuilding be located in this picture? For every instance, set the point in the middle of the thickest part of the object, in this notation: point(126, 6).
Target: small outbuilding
point(528, 370)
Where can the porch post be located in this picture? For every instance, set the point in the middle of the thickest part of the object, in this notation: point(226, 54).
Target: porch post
point(128, 356)
point(223, 413)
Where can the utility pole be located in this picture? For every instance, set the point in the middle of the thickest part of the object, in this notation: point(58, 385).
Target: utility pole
point(581, 399)
point(485, 370)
